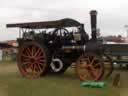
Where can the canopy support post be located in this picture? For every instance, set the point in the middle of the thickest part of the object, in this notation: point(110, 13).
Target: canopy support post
point(20, 32)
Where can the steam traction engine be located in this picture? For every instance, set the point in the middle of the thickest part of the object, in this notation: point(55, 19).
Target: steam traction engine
point(52, 46)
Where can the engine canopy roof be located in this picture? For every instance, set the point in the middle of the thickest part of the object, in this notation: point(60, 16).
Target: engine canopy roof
point(66, 22)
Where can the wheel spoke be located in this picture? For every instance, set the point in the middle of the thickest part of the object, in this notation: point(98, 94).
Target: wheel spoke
point(28, 51)
point(42, 61)
point(33, 50)
point(92, 73)
point(40, 57)
point(92, 61)
point(33, 67)
point(95, 71)
point(39, 67)
point(37, 52)
point(88, 59)
point(25, 56)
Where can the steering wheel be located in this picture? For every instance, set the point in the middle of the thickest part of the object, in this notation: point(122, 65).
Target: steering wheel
point(59, 33)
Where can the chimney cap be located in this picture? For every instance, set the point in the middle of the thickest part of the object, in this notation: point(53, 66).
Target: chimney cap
point(93, 12)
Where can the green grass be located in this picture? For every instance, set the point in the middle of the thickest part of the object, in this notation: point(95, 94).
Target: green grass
point(13, 84)
point(7, 62)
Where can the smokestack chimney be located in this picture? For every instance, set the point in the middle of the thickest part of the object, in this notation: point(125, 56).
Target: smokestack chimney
point(93, 15)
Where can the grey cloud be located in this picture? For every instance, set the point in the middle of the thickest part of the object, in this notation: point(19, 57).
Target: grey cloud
point(111, 16)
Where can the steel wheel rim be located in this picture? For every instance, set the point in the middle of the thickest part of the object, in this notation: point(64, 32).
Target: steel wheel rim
point(92, 72)
point(109, 67)
point(32, 60)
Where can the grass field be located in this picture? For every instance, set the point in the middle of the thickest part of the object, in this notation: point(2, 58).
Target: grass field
point(13, 84)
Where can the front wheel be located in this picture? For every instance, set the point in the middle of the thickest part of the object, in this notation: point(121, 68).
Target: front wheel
point(89, 66)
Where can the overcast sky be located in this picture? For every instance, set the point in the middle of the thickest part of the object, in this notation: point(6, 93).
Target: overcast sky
point(112, 14)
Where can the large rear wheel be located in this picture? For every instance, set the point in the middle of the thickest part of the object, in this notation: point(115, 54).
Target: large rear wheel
point(32, 60)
